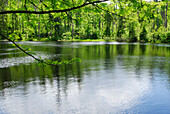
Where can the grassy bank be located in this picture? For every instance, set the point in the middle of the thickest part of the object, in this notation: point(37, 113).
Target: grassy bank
point(88, 40)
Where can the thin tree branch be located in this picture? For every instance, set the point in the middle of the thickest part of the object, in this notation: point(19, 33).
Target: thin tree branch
point(39, 60)
point(34, 4)
point(52, 63)
point(25, 5)
point(109, 11)
point(43, 4)
point(99, 11)
point(52, 11)
point(71, 17)
point(42, 12)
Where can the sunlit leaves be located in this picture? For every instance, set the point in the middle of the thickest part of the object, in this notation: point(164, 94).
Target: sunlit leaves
point(84, 21)
point(50, 62)
point(145, 8)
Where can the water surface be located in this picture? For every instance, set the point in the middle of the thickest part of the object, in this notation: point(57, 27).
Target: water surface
point(112, 78)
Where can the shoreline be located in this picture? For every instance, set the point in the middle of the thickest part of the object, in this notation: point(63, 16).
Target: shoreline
point(86, 40)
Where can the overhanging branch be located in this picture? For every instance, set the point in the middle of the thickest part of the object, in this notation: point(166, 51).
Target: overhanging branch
point(39, 60)
point(52, 63)
point(109, 11)
point(52, 11)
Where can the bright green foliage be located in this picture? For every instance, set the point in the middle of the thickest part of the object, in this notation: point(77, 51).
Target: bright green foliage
point(123, 20)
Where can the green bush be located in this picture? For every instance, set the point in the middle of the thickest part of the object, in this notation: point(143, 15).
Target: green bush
point(66, 35)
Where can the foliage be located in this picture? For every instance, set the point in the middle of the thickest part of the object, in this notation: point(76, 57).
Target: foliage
point(143, 34)
point(92, 21)
point(132, 34)
point(67, 35)
point(123, 20)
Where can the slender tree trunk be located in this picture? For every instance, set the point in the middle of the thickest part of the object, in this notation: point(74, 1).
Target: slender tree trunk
point(163, 16)
point(65, 29)
point(166, 17)
point(23, 29)
point(99, 25)
point(39, 28)
point(20, 25)
point(72, 30)
point(113, 23)
point(153, 23)
point(157, 21)
point(3, 23)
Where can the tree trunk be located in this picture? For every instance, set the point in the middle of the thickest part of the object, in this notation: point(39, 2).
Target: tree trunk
point(163, 16)
point(166, 17)
point(39, 28)
point(157, 21)
point(72, 30)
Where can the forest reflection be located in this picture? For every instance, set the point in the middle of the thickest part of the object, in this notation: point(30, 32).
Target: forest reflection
point(132, 57)
point(118, 63)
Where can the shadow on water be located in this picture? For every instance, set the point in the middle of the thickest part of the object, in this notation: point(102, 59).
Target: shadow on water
point(112, 78)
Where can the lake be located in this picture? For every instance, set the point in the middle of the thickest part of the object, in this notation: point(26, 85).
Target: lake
point(112, 78)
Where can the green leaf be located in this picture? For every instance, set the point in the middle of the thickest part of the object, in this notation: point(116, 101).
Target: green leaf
point(145, 7)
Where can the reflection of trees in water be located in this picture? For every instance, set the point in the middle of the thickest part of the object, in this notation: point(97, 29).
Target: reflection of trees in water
point(4, 77)
point(58, 94)
point(109, 57)
point(132, 57)
point(143, 57)
point(138, 66)
point(131, 49)
point(168, 71)
point(142, 49)
point(79, 76)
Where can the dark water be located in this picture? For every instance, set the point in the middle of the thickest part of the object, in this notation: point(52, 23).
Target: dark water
point(112, 78)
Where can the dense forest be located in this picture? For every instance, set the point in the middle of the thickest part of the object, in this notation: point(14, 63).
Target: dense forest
point(63, 20)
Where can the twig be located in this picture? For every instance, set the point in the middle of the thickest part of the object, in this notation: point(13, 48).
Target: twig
point(39, 60)
point(34, 4)
point(52, 11)
point(43, 4)
point(109, 11)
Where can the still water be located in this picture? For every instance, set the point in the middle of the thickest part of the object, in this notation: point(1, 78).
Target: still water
point(112, 78)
